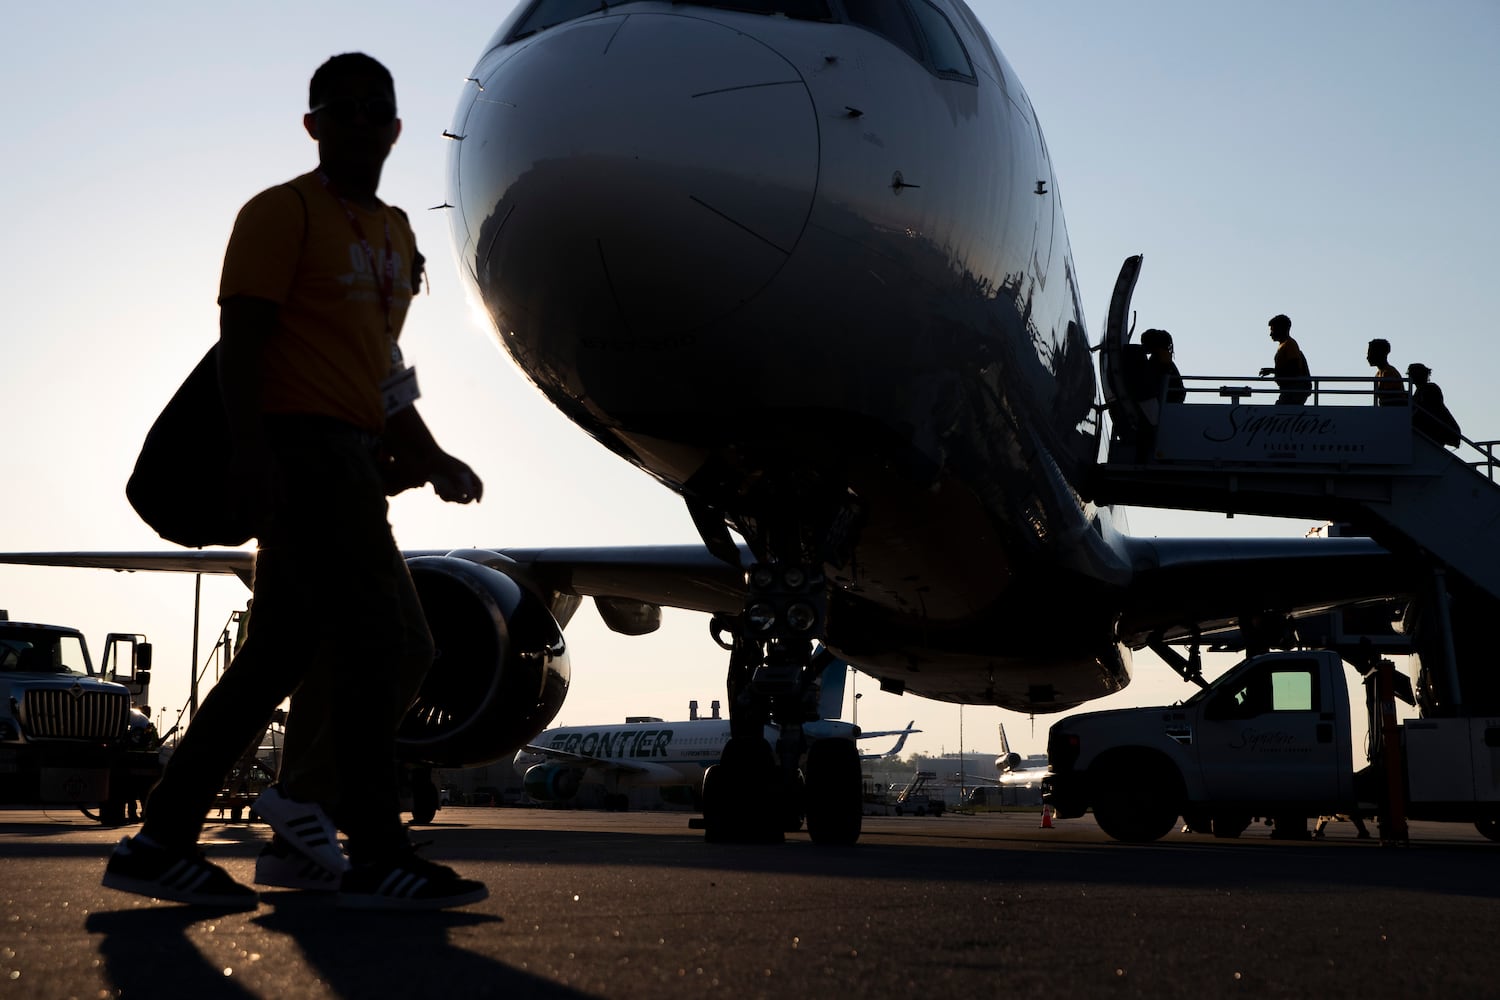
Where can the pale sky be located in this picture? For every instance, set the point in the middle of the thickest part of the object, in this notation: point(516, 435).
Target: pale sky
point(1334, 161)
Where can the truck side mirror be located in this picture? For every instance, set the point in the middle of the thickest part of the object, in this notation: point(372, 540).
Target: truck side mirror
point(143, 661)
point(142, 676)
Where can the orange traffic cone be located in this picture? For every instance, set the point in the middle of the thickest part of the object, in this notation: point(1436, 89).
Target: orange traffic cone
point(1046, 817)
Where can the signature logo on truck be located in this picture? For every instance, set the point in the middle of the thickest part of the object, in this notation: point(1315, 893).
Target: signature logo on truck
point(1268, 741)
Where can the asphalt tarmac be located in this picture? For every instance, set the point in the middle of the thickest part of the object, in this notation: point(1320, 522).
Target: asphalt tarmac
point(588, 904)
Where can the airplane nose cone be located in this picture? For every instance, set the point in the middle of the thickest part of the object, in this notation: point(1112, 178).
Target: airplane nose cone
point(633, 178)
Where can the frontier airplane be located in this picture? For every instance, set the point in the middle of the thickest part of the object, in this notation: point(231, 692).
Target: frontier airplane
point(804, 263)
point(671, 756)
point(652, 753)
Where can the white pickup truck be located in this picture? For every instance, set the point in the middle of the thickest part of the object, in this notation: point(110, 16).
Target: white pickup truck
point(1271, 737)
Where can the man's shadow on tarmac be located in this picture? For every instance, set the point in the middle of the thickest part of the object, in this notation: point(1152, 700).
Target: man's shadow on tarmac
point(411, 954)
point(147, 952)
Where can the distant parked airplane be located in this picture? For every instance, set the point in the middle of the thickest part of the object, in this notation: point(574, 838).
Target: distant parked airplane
point(672, 756)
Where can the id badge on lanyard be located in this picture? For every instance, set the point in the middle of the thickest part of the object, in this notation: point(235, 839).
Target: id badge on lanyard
point(398, 390)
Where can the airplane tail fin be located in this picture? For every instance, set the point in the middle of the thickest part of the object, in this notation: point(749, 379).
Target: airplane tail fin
point(1007, 761)
point(900, 742)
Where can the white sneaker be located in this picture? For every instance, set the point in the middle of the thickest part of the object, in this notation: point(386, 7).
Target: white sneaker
point(283, 866)
point(305, 827)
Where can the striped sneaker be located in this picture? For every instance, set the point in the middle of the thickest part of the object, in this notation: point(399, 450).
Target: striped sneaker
point(406, 882)
point(305, 826)
point(184, 877)
point(283, 866)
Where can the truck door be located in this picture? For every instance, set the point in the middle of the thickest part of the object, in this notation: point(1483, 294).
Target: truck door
point(127, 661)
point(1272, 735)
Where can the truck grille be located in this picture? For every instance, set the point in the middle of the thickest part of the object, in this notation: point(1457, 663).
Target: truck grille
point(61, 714)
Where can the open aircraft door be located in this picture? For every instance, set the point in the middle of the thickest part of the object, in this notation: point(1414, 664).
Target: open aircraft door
point(1121, 363)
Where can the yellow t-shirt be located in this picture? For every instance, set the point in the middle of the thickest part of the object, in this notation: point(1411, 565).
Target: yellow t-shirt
point(331, 348)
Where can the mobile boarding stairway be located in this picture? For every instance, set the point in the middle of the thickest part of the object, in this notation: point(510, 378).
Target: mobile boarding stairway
point(1228, 447)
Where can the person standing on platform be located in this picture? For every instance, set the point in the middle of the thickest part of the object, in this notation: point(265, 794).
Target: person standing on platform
point(1389, 389)
point(1289, 365)
point(1429, 413)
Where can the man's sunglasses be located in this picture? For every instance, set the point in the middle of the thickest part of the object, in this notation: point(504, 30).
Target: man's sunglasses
point(345, 110)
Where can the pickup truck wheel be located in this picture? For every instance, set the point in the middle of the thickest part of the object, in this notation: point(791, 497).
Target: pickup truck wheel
point(1136, 805)
point(1198, 821)
point(1490, 828)
point(1227, 827)
point(112, 812)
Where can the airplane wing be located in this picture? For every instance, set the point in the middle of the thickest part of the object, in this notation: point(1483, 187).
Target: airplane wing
point(239, 562)
point(676, 576)
point(1185, 585)
point(1180, 586)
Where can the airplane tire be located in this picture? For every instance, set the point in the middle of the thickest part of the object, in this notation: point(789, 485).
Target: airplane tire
point(424, 801)
point(741, 804)
point(835, 793)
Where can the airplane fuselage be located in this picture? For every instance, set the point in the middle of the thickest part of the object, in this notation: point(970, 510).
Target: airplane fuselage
point(817, 281)
point(650, 754)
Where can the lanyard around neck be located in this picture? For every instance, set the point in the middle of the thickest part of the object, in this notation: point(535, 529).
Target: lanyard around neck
point(385, 283)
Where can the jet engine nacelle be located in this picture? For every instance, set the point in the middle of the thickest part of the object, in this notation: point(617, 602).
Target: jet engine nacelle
point(1007, 762)
point(501, 668)
point(552, 782)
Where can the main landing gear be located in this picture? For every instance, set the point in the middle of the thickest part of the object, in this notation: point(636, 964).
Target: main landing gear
point(759, 791)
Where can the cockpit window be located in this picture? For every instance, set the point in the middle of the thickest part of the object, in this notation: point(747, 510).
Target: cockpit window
point(553, 12)
point(888, 18)
point(806, 10)
point(919, 28)
point(548, 13)
point(946, 51)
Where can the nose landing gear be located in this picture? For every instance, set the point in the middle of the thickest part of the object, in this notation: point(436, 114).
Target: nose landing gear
point(758, 792)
